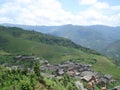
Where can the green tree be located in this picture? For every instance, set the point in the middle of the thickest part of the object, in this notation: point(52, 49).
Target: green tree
point(32, 81)
point(25, 86)
point(37, 70)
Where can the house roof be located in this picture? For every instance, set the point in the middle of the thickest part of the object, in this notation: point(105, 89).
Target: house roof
point(87, 77)
point(47, 75)
point(84, 73)
point(108, 76)
point(104, 80)
point(61, 72)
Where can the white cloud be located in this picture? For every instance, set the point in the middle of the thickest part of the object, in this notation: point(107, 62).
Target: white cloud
point(116, 8)
point(50, 12)
point(4, 19)
point(90, 17)
point(101, 5)
point(87, 2)
point(35, 12)
point(100, 13)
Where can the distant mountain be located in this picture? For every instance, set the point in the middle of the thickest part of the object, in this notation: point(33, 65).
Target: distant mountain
point(43, 29)
point(96, 37)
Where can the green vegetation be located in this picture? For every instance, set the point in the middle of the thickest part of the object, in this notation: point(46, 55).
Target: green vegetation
point(96, 37)
point(16, 41)
point(113, 50)
point(27, 36)
point(22, 79)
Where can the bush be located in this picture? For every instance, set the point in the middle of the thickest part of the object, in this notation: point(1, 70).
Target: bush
point(25, 86)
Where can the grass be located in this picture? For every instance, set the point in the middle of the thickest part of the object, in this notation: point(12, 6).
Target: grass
point(3, 52)
point(107, 67)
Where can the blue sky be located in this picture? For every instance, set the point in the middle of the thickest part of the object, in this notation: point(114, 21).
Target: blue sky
point(59, 12)
point(74, 5)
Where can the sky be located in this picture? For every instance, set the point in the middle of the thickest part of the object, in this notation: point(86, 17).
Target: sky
point(60, 12)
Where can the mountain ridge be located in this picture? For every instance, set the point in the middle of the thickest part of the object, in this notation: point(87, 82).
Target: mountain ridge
point(96, 37)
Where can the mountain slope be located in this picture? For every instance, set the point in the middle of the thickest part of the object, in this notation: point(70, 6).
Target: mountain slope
point(96, 37)
point(17, 33)
point(16, 41)
point(113, 50)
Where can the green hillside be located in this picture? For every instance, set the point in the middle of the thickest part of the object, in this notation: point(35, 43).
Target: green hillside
point(96, 37)
point(113, 50)
point(16, 41)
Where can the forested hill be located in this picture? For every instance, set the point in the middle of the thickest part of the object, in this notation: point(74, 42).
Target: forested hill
point(96, 37)
point(8, 34)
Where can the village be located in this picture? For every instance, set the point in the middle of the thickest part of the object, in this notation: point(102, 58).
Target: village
point(81, 72)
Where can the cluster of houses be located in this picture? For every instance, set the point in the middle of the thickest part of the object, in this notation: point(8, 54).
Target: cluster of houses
point(82, 72)
point(79, 71)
